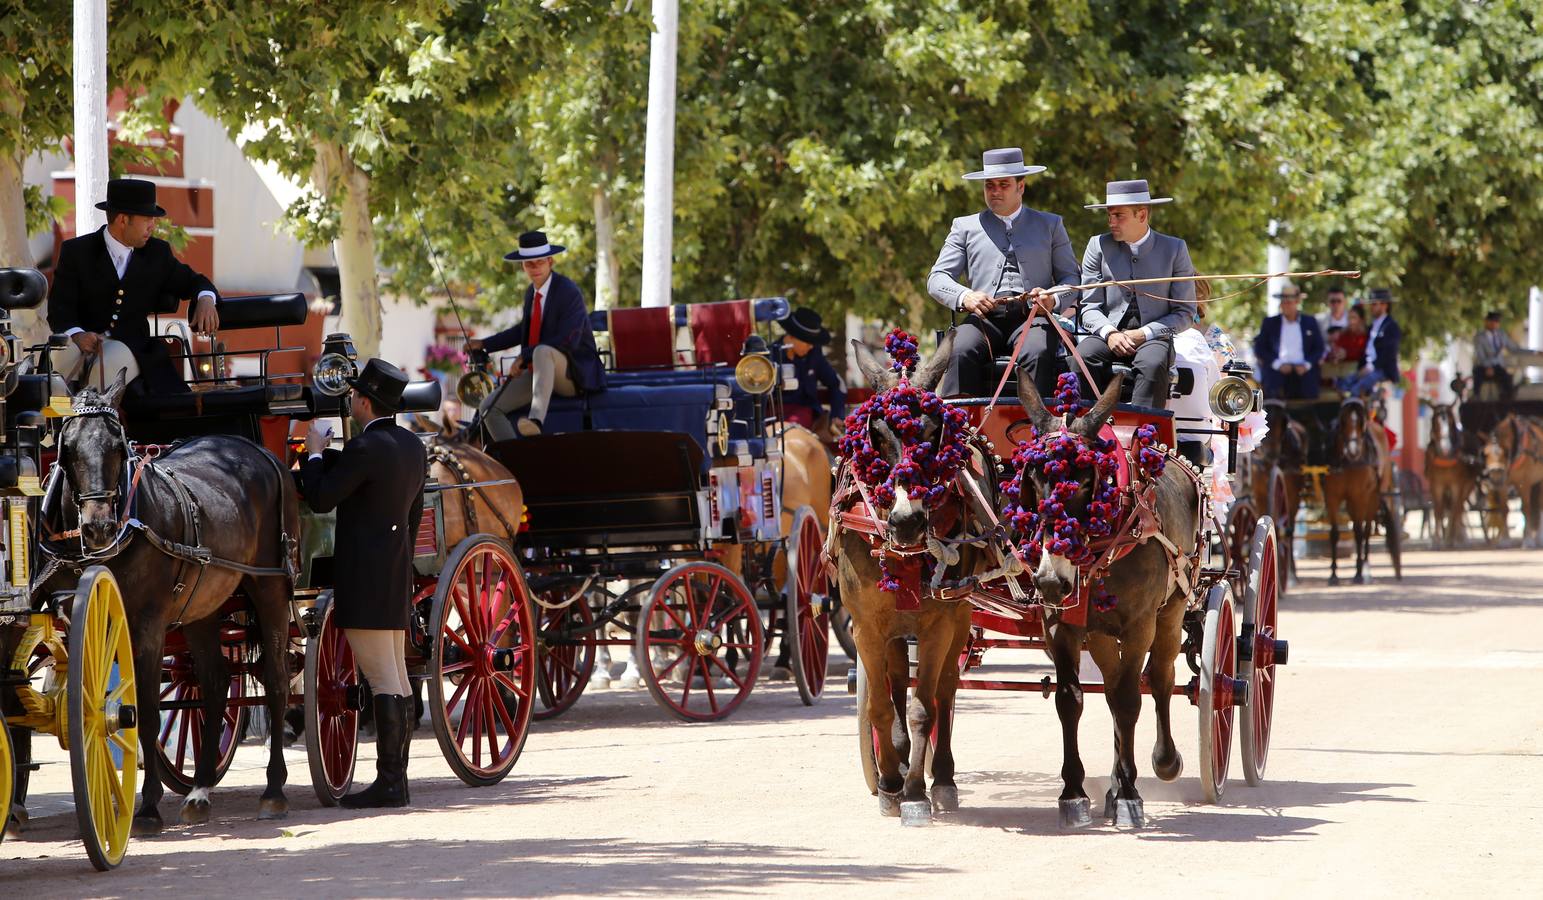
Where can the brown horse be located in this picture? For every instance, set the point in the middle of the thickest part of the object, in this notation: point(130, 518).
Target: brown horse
point(1354, 481)
point(1148, 619)
point(1520, 441)
point(940, 627)
point(494, 509)
point(1449, 476)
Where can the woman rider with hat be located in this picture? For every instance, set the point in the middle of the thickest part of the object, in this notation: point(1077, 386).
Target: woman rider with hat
point(801, 345)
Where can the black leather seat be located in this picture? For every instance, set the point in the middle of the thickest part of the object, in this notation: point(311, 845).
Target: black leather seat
point(252, 400)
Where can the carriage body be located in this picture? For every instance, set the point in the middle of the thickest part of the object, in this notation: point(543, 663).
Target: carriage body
point(655, 507)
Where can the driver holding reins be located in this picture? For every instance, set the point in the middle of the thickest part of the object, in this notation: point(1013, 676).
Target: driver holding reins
point(108, 282)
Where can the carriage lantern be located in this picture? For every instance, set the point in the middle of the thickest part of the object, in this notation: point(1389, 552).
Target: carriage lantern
point(475, 386)
point(755, 373)
point(1232, 398)
point(336, 366)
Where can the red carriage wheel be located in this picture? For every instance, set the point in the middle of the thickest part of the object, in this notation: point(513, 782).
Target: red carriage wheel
point(566, 650)
point(867, 738)
point(1241, 519)
point(1285, 525)
point(1260, 651)
point(181, 734)
point(808, 605)
point(332, 703)
point(1216, 690)
point(482, 666)
point(699, 641)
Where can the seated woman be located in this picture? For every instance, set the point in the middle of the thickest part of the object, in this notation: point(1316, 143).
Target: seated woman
point(1349, 345)
point(803, 345)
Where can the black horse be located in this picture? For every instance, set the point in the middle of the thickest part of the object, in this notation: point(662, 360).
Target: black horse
point(224, 494)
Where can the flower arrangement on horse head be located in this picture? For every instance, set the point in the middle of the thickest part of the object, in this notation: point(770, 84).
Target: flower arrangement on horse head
point(932, 436)
point(1064, 494)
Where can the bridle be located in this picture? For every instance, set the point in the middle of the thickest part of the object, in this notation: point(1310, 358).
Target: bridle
point(121, 500)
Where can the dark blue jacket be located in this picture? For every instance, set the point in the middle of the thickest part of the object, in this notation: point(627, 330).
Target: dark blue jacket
point(564, 325)
point(812, 370)
point(1267, 351)
point(1387, 343)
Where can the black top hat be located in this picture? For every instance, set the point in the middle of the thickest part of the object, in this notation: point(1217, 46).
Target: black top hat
point(381, 382)
point(1493, 316)
point(805, 325)
point(534, 245)
point(131, 195)
point(1379, 295)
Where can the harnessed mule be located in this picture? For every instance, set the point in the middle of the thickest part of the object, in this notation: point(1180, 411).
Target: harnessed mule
point(1520, 442)
point(181, 533)
point(869, 542)
point(1450, 475)
point(1354, 481)
point(1149, 561)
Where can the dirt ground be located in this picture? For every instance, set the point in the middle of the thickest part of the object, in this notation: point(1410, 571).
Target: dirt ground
point(1406, 762)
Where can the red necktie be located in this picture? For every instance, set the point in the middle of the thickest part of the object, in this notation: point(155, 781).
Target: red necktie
point(533, 335)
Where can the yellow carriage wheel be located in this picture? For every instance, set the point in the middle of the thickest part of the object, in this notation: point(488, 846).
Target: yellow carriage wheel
point(7, 777)
point(104, 737)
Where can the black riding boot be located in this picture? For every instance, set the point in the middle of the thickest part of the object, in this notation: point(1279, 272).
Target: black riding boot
point(390, 787)
point(409, 723)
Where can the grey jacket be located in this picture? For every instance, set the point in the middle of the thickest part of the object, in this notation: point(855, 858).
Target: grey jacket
point(975, 249)
point(1489, 347)
point(1102, 309)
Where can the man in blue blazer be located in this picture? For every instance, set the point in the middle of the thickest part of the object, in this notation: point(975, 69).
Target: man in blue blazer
point(1382, 344)
point(556, 341)
point(1288, 349)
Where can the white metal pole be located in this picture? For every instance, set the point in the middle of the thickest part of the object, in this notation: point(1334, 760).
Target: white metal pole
point(1277, 259)
point(1535, 329)
point(659, 157)
point(90, 113)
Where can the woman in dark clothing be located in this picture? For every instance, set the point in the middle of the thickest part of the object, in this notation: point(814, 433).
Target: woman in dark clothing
point(801, 345)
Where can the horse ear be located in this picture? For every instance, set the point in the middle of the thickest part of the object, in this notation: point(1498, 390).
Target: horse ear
point(115, 392)
point(931, 370)
point(1033, 404)
point(879, 376)
point(1094, 419)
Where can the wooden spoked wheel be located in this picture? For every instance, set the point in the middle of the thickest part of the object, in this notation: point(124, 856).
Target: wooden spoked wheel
point(1284, 516)
point(103, 721)
point(332, 703)
point(7, 777)
point(565, 648)
point(181, 735)
point(482, 668)
point(1241, 520)
point(1260, 651)
point(807, 596)
point(699, 642)
point(1217, 690)
point(867, 737)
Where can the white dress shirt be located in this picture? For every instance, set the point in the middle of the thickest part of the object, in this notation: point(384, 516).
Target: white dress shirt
point(1290, 352)
point(1007, 221)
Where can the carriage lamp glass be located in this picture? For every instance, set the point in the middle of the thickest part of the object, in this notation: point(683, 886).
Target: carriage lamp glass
point(1231, 399)
point(755, 374)
point(474, 387)
point(332, 373)
point(5, 350)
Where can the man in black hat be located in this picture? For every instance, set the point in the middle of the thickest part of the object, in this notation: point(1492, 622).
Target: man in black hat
point(107, 282)
point(1002, 252)
point(1489, 349)
point(803, 345)
point(1382, 344)
point(1134, 324)
point(556, 341)
point(376, 484)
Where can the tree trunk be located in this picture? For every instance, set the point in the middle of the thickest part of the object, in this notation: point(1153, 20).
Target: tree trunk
point(607, 263)
point(29, 324)
point(349, 186)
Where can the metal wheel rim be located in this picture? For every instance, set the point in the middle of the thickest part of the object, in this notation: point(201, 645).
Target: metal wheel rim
point(104, 757)
point(331, 727)
point(481, 624)
point(809, 633)
point(866, 753)
point(674, 614)
point(563, 672)
point(1260, 608)
point(1218, 656)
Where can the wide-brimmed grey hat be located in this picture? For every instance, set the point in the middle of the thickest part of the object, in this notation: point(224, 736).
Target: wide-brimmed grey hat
point(1383, 295)
point(1128, 193)
point(1004, 162)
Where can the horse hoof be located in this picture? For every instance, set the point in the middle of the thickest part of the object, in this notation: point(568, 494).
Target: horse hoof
point(781, 673)
point(1333, 581)
point(889, 804)
point(945, 798)
point(276, 808)
point(915, 812)
point(1359, 579)
point(146, 826)
point(1169, 773)
point(195, 812)
point(1128, 813)
point(1076, 813)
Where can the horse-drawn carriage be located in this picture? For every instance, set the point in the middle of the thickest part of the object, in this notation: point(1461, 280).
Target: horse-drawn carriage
point(169, 524)
point(675, 509)
point(1091, 531)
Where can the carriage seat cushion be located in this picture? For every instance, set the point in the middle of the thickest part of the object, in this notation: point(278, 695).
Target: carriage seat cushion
point(262, 311)
point(679, 408)
point(251, 400)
